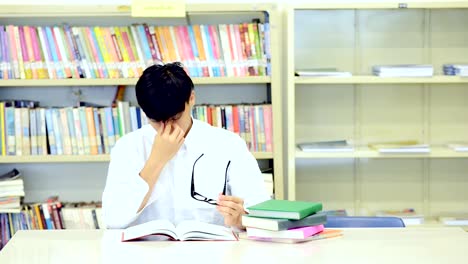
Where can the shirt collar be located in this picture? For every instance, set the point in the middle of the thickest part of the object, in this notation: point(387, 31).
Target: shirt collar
point(191, 138)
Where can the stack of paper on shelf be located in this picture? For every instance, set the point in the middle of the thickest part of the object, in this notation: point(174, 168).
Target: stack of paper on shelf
point(458, 146)
point(454, 219)
point(400, 147)
point(286, 221)
point(11, 191)
point(409, 216)
point(322, 72)
point(326, 146)
point(456, 69)
point(406, 70)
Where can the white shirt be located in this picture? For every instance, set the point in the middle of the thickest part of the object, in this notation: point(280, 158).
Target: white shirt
point(171, 197)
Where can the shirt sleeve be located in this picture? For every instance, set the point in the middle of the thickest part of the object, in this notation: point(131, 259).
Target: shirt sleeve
point(245, 178)
point(125, 189)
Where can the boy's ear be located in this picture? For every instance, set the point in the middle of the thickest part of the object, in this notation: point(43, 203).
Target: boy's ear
point(192, 98)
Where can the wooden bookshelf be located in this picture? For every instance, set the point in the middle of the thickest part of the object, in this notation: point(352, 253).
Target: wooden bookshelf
point(86, 158)
point(208, 13)
point(353, 37)
point(106, 82)
point(366, 153)
point(441, 79)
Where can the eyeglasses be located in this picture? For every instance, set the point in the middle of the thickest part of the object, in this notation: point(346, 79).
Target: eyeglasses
point(203, 198)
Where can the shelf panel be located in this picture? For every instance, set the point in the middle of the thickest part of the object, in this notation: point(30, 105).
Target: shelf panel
point(383, 5)
point(54, 158)
point(367, 153)
point(103, 82)
point(441, 79)
point(85, 158)
point(119, 10)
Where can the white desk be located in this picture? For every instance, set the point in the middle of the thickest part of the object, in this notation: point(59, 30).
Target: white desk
point(410, 245)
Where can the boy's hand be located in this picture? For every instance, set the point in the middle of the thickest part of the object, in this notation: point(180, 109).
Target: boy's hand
point(232, 208)
point(167, 143)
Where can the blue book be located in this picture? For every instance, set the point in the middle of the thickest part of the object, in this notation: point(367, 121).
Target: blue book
point(50, 131)
point(97, 125)
point(54, 52)
point(144, 43)
point(138, 116)
point(198, 71)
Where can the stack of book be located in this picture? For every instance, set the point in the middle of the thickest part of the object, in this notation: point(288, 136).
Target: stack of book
point(286, 221)
point(402, 147)
point(11, 192)
point(406, 70)
point(456, 69)
point(326, 146)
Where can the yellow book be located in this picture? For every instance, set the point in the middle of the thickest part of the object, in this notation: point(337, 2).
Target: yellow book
point(169, 43)
point(162, 43)
point(136, 49)
point(126, 65)
point(105, 53)
point(91, 130)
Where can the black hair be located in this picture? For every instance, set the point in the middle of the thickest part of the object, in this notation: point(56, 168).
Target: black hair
point(163, 90)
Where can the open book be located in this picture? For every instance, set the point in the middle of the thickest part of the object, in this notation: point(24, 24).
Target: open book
point(186, 230)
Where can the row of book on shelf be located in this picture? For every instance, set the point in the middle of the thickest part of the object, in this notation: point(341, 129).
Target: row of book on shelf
point(27, 129)
point(409, 146)
point(253, 123)
point(404, 70)
point(58, 52)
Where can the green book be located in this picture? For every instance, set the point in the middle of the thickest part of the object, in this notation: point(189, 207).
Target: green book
point(284, 209)
point(276, 224)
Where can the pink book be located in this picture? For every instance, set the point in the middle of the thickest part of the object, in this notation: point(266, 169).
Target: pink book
point(42, 72)
point(229, 31)
point(179, 40)
point(188, 49)
point(24, 52)
point(30, 49)
point(13, 52)
point(217, 49)
point(130, 51)
point(295, 233)
point(242, 59)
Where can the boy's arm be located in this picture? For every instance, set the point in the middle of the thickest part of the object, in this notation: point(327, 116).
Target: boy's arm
point(246, 183)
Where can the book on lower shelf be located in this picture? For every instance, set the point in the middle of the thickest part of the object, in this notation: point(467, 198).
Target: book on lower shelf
point(326, 146)
point(404, 70)
point(185, 230)
point(11, 191)
point(454, 219)
point(460, 146)
point(400, 147)
point(456, 69)
point(322, 72)
point(409, 216)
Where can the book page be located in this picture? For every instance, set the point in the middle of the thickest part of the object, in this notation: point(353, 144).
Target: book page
point(155, 227)
point(194, 230)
